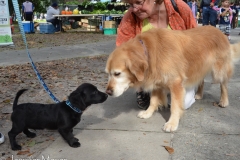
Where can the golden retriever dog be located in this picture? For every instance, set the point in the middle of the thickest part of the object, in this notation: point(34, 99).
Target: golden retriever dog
point(162, 60)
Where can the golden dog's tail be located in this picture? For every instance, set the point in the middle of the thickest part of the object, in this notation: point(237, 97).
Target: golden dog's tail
point(235, 52)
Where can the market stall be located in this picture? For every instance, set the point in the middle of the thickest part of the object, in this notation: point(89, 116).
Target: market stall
point(92, 16)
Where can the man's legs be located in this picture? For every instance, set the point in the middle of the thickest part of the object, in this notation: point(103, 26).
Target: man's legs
point(55, 23)
point(228, 30)
point(58, 23)
point(212, 17)
point(205, 12)
point(233, 23)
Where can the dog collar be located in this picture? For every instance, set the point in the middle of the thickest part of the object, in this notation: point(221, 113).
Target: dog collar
point(73, 108)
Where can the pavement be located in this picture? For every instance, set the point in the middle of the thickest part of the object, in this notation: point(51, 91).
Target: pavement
point(111, 130)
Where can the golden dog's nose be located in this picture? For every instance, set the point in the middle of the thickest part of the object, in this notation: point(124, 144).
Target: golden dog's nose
point(109, 92)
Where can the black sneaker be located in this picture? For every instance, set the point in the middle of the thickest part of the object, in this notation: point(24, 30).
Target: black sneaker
point(143, 100)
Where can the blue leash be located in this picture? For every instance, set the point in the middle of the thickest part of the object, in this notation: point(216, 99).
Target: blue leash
point(16, 8)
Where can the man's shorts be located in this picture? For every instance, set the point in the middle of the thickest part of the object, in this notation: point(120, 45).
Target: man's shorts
point(225, 28)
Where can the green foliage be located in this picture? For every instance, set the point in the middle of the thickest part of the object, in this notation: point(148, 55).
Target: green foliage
point(72, 2)
point(99, 6)
point(85, 3)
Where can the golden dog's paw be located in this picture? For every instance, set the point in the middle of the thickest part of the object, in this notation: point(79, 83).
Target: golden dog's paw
point(197, 96)
point(144, 114)
point(223, 104)
point(170, 127)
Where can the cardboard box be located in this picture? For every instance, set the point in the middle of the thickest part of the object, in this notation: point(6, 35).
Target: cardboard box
point(80, 23)
point(84, 20)
point(109, 24)
point(85, 25)
point(91, 29)
point(89, 26)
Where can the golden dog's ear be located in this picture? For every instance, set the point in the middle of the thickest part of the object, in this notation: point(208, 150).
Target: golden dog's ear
point(137, 66)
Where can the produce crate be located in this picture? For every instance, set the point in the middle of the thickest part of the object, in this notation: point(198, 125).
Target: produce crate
point(28, 26)
point(89, 26)
point(84, 25)
point(109, 24)
point(91, 29)
point(84, 20)
point(109, 31)
point(93, 22)
point(47, 28)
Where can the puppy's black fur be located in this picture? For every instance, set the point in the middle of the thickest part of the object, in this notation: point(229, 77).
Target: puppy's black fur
point(53, 116)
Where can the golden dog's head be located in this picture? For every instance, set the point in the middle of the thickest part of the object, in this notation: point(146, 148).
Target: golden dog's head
point(126, 67)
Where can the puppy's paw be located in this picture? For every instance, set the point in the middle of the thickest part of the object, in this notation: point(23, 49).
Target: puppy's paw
point(75, 144)
point(170, 127)
point(144, 114)
point(75, 139)
point(16, 147)
point(31, 135)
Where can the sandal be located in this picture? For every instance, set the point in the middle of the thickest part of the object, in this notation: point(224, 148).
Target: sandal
point(1, 138)
point(143, 100)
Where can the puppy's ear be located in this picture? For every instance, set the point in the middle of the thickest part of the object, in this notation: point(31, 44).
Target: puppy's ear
point(77, 99)
point(137, 65)
point(83, 99)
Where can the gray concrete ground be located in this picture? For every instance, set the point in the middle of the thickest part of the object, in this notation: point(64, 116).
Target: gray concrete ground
point(111, 130)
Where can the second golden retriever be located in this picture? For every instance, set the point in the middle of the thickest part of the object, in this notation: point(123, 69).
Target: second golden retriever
point(163, 60)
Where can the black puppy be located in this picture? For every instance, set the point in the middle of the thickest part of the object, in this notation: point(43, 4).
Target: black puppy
point(62, 116)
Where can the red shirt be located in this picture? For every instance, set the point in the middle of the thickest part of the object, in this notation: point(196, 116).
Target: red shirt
point(130, 25)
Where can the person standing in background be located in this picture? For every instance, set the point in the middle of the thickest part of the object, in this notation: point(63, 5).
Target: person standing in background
point(27, 9)
point(234, 15)
point(209, 14)
point(225, 13)
point(193, 5)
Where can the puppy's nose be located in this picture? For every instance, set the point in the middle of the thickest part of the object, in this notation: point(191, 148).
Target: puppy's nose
point(106, 95)
point(109, 92)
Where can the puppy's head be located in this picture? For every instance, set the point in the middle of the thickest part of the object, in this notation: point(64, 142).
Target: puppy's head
point(125, 67)
point(85, 95)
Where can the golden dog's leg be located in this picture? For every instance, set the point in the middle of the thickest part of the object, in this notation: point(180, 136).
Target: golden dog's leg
point(158, 97)
point(199, 93)
point(224, 95)
point(177, 107)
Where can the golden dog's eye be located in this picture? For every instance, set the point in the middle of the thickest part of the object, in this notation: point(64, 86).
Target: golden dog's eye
point(116, 73)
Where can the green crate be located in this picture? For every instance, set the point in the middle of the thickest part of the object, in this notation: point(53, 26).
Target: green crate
point(109, 31)
point(93, 22)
